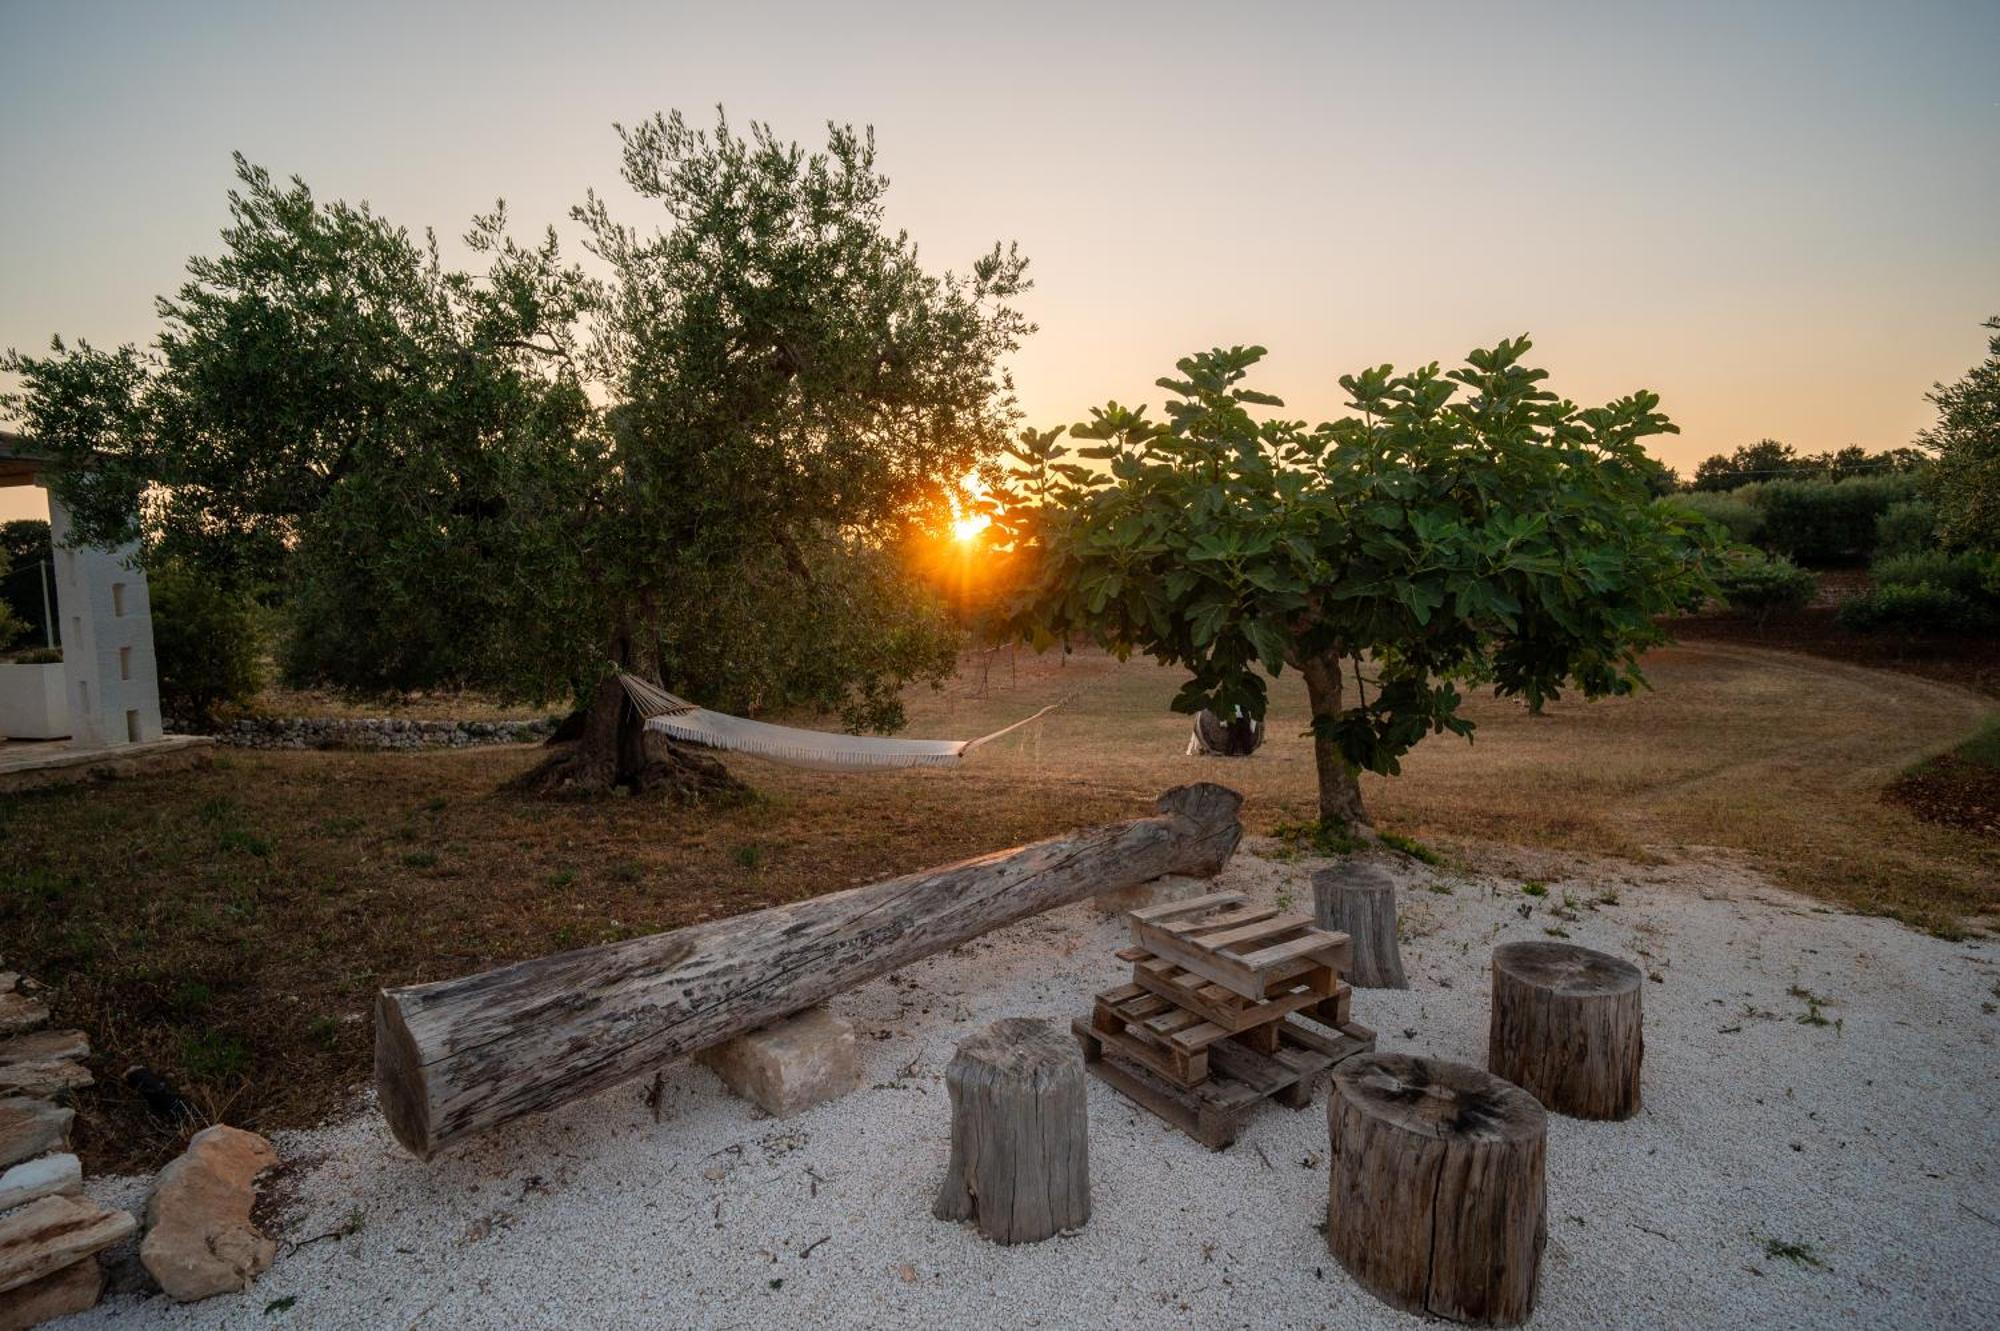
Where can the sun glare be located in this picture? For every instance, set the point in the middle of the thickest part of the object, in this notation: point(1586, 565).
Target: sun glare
point(966, 526)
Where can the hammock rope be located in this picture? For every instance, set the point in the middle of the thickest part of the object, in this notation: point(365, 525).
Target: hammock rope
point(680, 719)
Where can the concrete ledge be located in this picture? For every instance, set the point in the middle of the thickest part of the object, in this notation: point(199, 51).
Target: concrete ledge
point(34, 766)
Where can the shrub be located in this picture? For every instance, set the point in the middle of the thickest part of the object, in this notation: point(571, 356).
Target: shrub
point(1757, 583)
point(1906, 527)
point(1828, 522)
point(206, 640)
point(1970, 574)
point(1732, 511)
point(1915, 608)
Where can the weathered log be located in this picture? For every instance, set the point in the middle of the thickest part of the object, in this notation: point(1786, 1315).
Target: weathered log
point(1359, 900)
point(1437, 1202)
point(1567, 1027)
point(47, 1235)
point(1020, 1140)
point(460, 1056)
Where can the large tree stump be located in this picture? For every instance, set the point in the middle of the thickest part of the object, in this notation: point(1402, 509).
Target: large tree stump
point(1359, 900)
point(1020, 1157)
point(1566, 1027)
point(1436, 1202)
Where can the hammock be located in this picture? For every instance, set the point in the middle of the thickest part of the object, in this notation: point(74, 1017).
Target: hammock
point(680, 719)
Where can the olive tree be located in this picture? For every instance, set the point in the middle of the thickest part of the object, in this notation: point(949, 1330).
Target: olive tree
point(1965, 481)
point(697, 458)
point(1457, 526)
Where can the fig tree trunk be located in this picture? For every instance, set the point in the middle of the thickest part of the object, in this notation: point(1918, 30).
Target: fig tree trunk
point(607, 746)
point(1339, 784)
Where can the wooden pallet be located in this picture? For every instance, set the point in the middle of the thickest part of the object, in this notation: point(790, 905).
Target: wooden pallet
point(1258, 953)
point(1240, 1078)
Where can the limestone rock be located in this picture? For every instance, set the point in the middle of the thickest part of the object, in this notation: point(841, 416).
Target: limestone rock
point(20, 1013)
point(47, 1079)
point(30, 1127)
point(43, 1177)
point(199, 1237)
point(73, 1289)
point(789, 1067)
point(48, 1234)
point(42, 1046)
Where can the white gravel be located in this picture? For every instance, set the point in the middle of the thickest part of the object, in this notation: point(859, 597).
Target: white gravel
point(1870, 1140)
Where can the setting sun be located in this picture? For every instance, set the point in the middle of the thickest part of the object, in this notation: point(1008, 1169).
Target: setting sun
point(967, 528)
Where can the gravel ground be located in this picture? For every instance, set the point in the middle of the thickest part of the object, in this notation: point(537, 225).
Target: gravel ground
point(1869, 1141)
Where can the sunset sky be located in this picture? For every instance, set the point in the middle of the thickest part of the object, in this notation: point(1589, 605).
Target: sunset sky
point(1785, 218)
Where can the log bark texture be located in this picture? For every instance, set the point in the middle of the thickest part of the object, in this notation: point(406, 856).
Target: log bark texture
point(460, 1056)
point(1020, 1150)
point(1359, 900)
point(1437, 1202)
point(1567, 1027)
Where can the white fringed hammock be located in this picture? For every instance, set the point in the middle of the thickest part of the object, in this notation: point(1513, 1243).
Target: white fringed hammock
point(680, 719)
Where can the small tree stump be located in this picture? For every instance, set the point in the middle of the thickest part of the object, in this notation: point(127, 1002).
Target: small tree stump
point(1436, 1200)
point(1020, 1160)
point(1566, 1028)
point(1359, 900)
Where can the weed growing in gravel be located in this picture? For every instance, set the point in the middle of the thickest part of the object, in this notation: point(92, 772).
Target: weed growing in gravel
point(1412, 847)
point(1801, 1253)
point(1532, 888)
point(1442, 889)
point(1317, 837)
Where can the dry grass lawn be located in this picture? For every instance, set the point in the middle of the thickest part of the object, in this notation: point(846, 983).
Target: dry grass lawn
point(229, 927)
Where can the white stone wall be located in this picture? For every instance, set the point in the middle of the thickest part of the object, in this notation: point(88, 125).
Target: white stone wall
point(107, 641)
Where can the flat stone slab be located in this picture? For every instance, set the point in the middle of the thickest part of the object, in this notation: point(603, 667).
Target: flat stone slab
point(73, 1289)
point(43, 1176)
point(52, 1233)
point(20, 1014)
point(787, 1068)
point(44, 1047)
point(30, 1127)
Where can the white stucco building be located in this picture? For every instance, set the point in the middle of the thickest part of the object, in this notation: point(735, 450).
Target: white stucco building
point(110, 690)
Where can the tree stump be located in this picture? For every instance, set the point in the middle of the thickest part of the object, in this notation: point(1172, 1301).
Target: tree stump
point(1359, 900)
point(1436, 1201)
point(1566, 1028)
point(1020, 1160)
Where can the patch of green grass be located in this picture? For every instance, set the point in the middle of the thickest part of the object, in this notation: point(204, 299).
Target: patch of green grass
point(284, 1304)
point(237, 838)
point(420, 859)
point(1554, 932)
point(215, 1056)
point(1442, 889)
point(1318, 837)
point(1984, 747)
point(625, 871)
point(1531, 888)
point(436, 803)
point(750, 855)
point(190, 997)
point(323, 1031)
point(1412, 847)
point(562, 878)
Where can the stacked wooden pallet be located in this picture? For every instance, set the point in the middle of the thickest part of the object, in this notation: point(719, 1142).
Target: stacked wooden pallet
point(1212, 1023)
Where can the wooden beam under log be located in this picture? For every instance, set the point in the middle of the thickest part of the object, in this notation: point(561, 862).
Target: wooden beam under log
point(457, 1057)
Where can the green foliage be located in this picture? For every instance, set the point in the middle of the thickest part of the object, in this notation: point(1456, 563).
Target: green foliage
point(1916, 609)
point(1971, 574)
point(1757, 583)
point(1733, 512)
point(1424, 539)
point(12, 625)
point(1965, 482)
point(1321, 836)
point(24, 548)
point(1907, 526)
point(518, 475)
point(1822, 523)
point(1769, 460)
point(206, 641)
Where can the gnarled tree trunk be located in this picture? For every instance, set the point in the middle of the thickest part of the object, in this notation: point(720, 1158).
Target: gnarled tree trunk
point(607, 745)
point(1339, 782)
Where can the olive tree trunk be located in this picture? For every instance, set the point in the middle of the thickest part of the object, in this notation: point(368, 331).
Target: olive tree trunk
point(607, 745)
point(1339, 780)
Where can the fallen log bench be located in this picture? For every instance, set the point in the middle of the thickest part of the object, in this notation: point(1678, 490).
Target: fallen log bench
point(457, 1057)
